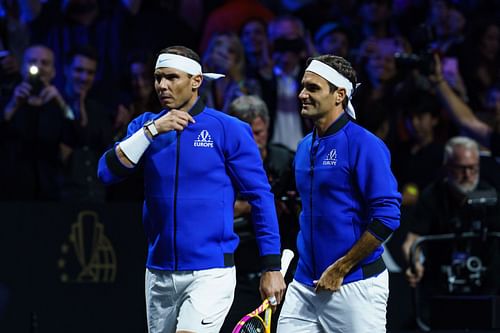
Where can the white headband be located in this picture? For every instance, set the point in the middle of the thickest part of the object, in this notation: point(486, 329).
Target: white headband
point(335, 78)
point(184, 64)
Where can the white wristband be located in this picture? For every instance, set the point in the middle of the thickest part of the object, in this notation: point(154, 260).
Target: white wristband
point(135, 146)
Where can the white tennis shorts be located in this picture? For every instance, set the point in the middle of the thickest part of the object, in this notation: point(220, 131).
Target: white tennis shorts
point(357, 307)
point(196, 301)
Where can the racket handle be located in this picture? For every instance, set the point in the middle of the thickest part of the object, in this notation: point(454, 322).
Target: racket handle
point(286, 259)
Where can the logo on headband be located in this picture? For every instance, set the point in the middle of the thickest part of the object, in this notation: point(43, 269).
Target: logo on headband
point(204, 140)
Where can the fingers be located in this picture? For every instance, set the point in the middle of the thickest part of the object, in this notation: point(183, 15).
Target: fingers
point(174, 120)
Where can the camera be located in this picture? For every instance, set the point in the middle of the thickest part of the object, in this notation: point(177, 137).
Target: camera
point(34, 80)
point(422, 39)
point(423, 62)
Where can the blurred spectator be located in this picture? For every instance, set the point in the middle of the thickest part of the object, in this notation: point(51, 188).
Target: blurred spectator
point(15, 15)
point(70, 23)
point(254, 39)
point(417, 162)
point(281, 86)
point(34, 126)
point(92, 130)
point(480, 62)
point(332, 38)
point(225, 55)
point(138, 95)
point(379, 77)
point(447, 24)
point(231, 16)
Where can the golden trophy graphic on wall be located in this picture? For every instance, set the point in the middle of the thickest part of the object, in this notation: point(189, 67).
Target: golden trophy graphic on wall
point(88, 256)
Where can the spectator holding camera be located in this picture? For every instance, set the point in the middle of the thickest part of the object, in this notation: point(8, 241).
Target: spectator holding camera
point(34, 125)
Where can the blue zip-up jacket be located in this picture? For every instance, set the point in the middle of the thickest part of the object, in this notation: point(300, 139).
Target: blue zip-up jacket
point(190, 181)
point(346, 185)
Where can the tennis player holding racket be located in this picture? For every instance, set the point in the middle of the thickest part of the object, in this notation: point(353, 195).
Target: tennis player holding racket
point(195, 158)
point(350, 205)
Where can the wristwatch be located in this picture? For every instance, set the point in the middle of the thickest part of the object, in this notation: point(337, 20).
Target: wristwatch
point(151, 127)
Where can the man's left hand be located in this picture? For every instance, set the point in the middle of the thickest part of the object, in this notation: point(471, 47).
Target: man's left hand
point(332, 277)
point(272, 284)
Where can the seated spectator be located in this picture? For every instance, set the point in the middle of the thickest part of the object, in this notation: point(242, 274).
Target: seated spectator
point(35, 124)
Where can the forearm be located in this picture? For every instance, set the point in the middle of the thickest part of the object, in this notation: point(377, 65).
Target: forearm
point(461, 112)
point(362, 249)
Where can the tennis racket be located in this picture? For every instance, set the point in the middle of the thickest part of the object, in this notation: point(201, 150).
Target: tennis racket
point(254, 322)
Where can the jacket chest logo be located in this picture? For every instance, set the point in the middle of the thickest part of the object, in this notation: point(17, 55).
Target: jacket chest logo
point(204, 140)
point(331, 158)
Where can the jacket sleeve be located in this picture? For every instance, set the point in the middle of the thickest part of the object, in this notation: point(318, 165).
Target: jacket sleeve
point(378, 186)
point(110, 169)
point(246, 169)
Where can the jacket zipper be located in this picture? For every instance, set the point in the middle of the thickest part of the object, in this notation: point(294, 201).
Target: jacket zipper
point(176, 188)
point(311, 173)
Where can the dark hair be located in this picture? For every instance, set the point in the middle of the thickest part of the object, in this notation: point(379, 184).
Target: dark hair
point(182, 51)
point(87, 51)
point(342, 66)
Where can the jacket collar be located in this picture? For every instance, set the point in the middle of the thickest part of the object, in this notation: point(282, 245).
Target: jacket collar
point(198, 107)
point(337, 125)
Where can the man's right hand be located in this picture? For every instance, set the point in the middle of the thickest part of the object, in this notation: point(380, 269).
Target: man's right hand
point(173, 120)
point(414, 277)
point(21, 93)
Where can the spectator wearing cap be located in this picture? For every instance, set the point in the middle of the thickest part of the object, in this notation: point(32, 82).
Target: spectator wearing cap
point(332, 38)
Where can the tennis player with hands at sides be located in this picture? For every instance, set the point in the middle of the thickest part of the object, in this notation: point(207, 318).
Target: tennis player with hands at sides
point(350, 205)
point(195, 158)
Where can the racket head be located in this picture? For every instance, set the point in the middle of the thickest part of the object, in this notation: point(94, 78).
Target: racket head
point(254, 322)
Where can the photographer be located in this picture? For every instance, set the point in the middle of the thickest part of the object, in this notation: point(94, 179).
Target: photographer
point(442, 208)
point(34, 124)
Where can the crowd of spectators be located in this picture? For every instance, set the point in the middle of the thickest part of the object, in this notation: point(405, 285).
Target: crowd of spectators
point(95, 59)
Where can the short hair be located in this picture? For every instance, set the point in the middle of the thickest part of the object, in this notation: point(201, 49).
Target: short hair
point(182, 51)
point(342, 66)
point(248, 108)
point(463, 141)
point(87, 51)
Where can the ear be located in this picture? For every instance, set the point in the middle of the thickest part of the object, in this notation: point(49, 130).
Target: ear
point(341, 94)
point(196, 82)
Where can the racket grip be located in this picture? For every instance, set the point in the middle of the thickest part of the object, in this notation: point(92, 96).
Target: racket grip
point(286, 259)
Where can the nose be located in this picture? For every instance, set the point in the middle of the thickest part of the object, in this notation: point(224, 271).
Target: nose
point(303, 94)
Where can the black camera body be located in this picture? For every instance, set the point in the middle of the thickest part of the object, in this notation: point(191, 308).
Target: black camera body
point(423, 62)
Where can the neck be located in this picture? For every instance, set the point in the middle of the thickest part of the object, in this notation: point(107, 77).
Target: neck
point(189, 104)
point(322, 124)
